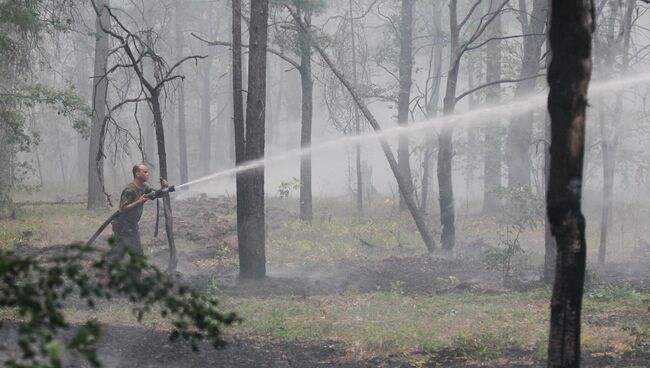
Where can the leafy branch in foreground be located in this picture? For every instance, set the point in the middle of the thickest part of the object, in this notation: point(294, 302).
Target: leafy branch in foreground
point(36, 289)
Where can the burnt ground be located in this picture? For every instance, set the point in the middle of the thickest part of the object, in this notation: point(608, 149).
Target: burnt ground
point(209, 223)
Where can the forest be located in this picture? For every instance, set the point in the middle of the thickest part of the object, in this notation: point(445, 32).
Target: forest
point(324, 183)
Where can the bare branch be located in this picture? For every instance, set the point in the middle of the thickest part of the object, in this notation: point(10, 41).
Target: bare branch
point(500, 81)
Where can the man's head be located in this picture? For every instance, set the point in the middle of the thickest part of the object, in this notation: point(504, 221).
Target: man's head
point(140, 173)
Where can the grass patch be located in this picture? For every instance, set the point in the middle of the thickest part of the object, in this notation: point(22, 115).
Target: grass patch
point(473, 326)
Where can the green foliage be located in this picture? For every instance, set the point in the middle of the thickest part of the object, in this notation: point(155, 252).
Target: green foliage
point(287, 186)
point(521, 210)
point(641, 336)
point(36, 289)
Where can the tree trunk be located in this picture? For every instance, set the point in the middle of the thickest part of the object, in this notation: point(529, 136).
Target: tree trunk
point(100, 89)
point(432, 104)
point(162, 164)
point(306, 123)
point(609, 132)
point(205, 138)
point(250, 216)
point(445, 144)
point(568, 78)
point(182, 131)
point(403, 100)
point(357, 121)
point(550, 252)
point(521, 127)
point(492, 144)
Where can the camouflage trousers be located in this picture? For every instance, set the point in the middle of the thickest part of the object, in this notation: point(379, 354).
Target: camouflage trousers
point(124, 241)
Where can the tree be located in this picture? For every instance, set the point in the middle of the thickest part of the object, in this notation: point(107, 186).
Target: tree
point(571, 28)
point(445, 143)
point(493, 132)
point(615, 42)
point(100, 89)
point(250, 209)
point(405, 190)
point(521, 127)
point(403, 99)
point(24, 24)
point(138, 48)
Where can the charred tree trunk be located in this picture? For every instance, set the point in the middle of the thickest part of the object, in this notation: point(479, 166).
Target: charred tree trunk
point(445, 144)
point(550, 249)
point(306, 212)
point(403, 100)
point(569, 73)
point(521, 127)
point(154, 100)
point(250, 216)
point(492, 144)
point(100, 89)
point(180, 109)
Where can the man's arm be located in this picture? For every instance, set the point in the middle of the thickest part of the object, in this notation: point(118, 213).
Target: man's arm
point(130, 199)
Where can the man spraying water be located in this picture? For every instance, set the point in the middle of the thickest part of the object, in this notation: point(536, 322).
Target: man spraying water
point(132, 200)
point(125, 220)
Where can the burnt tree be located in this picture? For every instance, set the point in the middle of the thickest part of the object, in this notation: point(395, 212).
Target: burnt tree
point(569, 72)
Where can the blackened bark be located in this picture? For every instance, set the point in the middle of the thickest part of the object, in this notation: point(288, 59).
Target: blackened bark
point(250, 216)
point(569, 72)
point(403, 99)
point(445, 143)
point(182, 130)
point(550, 248)
point(100, 89)
point(518, 138)
point(306, 122)
point(154, 100)
point(493, 132)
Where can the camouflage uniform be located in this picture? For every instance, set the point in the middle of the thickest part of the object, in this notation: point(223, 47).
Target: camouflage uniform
point(125, 226)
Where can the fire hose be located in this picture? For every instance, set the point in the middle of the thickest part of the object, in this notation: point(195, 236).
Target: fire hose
point(156, 194)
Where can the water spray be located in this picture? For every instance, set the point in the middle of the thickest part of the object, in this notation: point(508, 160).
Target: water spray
point(463, 119)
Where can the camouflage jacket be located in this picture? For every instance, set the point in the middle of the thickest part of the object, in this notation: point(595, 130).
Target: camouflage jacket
point(127, 222)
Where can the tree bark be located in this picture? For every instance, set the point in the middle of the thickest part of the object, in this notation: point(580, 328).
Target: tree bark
point(306, 212)
point(521, 127)
point(154, 99)
point(403, 100)
point(568, 78)
point(250, 216)
point(493, 142)
point(445, 144)
point(100, 89)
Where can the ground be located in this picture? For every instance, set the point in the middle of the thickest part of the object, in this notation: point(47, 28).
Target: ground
point(341, 294)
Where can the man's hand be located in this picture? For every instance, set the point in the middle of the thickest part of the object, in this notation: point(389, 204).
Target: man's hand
point(164, 183)
point(142, 199)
